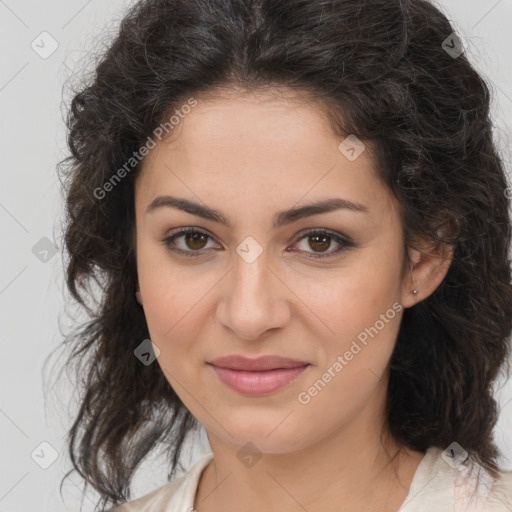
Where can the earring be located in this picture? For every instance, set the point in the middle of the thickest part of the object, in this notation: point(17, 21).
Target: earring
point(415, 292)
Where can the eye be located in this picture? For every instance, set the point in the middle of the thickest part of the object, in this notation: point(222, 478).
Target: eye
point(319, 240)
point(194, 240)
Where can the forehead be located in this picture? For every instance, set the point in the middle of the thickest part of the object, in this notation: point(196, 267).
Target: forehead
point(273, 145)
point(250, 125)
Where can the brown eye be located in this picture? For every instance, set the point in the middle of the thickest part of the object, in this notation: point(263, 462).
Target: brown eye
point(195, 240)
point(320, 240)
point(187, 241)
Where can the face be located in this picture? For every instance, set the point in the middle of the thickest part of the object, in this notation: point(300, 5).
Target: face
point(324, 290)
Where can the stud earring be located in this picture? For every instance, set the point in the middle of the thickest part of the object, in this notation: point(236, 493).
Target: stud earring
point(415, 292)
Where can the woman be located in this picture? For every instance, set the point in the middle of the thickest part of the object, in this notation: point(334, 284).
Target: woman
point(299, 223)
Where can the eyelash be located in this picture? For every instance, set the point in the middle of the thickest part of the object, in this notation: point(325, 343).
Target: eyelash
point(344, 242)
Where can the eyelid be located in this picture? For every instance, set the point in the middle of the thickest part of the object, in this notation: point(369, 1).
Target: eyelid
point(346, 239)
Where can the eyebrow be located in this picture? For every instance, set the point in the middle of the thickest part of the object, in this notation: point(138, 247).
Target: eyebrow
point(281, 218)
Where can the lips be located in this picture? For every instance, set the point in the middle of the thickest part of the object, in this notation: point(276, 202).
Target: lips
point(259, 364)
point(258, 376)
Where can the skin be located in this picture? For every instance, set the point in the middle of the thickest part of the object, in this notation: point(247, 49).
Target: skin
point(250, 155)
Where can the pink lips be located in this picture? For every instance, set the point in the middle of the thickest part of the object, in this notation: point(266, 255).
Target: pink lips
point(257, 376)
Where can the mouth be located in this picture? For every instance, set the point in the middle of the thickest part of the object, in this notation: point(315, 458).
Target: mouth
point(263, 363)
point(259, 376)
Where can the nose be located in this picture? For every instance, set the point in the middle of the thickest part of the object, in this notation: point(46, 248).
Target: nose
point(254, 299)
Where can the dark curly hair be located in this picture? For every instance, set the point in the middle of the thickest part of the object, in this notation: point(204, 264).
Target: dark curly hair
point(382, 70)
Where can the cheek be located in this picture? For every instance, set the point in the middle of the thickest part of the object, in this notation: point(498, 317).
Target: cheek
point(174, 317)
point(174, 327)
point(360, 306)
point(355, 298)
point(365, 317)
point(362, 336)
point(170, 300)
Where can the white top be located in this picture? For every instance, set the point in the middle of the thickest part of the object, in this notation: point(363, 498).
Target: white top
point(437, 486)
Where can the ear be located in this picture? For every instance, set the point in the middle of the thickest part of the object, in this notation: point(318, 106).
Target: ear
point(428, 265)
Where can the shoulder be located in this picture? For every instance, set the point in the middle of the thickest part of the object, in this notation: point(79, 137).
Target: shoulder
point(475, 489)
point(177, 495)
point(451, 484)
point(500, 493)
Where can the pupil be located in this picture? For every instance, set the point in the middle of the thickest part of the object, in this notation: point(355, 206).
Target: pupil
point(324, 244)
point(195, 237)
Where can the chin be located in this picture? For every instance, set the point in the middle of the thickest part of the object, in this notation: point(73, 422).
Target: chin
point(275, 431)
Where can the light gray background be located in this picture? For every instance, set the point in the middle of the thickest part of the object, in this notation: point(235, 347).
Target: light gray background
point(32, 295)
